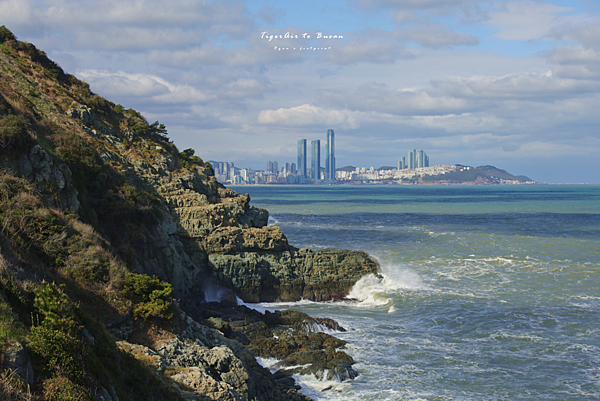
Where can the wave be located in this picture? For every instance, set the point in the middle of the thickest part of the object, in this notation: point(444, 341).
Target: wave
point(375, 290)
point(314, 386)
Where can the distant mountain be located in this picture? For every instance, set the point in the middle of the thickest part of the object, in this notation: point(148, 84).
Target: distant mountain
point(346, 168)
point(478, 175)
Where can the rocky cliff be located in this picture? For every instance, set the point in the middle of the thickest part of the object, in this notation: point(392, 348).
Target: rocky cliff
point(208, 234)
point(104, 223)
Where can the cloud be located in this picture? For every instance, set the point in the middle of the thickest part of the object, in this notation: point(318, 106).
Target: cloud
point(439, 7)
point(584, 32)
point(525, 20)
point(144, 86)
point(575, 62)
point(132, 24)
point(270, 14)
point(434, 36)
point(542, 87)
point(123, 84)
point(365, 51)
point(307, 115)
point(378, 97)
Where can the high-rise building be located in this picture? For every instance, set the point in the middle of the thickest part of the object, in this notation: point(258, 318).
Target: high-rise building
point(293, 168)
point(330, 156)
point(302, 158)
point(426, 161)
point(412, 159)
point(315, 160)
point(402, 163)
point(420, 158)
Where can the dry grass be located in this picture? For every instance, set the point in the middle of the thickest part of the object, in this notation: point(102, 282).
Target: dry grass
point(12, 387)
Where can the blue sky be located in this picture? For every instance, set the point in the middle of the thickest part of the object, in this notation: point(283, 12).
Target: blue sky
point(513, 84)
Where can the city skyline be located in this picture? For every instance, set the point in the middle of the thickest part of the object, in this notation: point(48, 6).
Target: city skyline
point(508, 83)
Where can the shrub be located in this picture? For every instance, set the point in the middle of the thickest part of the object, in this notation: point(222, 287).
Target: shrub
point(6, 34)
point(56, 310)
point(13, 134)
point(151, 297)
point(59, 351)
point(62, 389)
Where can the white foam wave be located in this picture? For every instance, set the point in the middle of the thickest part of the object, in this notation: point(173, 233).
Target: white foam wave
point(313, 386)
point(268, 363)
point(372, 290)
point(262, 308)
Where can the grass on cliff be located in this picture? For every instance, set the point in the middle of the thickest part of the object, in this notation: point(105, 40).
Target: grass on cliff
point(40, 242)
point(86, 257)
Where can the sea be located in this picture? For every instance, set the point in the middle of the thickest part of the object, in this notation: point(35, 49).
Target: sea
point(486, 292)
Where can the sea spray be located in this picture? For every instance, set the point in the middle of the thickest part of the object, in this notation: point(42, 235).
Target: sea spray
point(375, 290)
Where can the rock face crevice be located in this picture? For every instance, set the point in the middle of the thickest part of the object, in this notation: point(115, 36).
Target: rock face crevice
point(207, 233)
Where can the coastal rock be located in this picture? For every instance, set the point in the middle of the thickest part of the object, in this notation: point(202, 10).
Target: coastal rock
point(297, 340)
point(292, 275)
point(208, 234)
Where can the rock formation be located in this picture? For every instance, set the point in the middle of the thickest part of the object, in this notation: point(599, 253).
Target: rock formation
point(90, 193)
point(210, 234)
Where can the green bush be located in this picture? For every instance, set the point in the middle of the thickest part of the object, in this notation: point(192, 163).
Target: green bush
point(62, 389)
point(6, 34)
point(13, 134)
point(54, 308)
point(151, 297)
point(59, 351)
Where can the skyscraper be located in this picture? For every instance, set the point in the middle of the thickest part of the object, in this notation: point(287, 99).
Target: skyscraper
point(330, 156)
point(412, 159)
point(302, 158)
point(420, 158)
point(402, 163)
point(315, 160)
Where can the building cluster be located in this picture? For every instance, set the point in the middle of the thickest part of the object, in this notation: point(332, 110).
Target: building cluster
point(373, 175)
point(316, 173)
point(290, 173)
point(415, 159)
point(224, 171)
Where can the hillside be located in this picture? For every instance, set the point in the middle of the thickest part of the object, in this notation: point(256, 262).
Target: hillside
point(111, 241)
point(477, 175)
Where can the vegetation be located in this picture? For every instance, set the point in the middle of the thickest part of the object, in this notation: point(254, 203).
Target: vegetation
point(51, 257)
point(151, 297)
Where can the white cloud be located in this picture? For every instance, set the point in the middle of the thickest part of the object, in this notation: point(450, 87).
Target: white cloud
point(383, 99)
point(542, 86)
point(308, 115)
point(123, 84)
point(576, 62)
point(434, 36)
point(365, 51)
point(525, 20)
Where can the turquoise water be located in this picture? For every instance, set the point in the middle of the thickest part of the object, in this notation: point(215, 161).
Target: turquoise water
point(489, 292)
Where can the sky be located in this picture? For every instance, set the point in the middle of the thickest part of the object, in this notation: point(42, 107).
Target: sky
point(514, 84)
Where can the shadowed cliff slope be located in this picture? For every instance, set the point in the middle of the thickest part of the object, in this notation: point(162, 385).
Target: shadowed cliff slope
point(94, 203)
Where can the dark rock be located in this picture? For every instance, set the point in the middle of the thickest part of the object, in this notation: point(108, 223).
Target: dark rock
point(14, 358)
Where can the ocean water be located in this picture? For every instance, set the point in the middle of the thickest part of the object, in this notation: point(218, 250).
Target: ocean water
point(488, 292)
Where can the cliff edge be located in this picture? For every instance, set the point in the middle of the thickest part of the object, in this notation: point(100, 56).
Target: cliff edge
point(110, 241)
